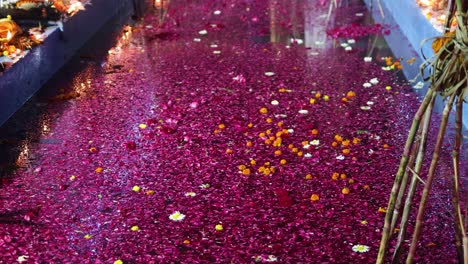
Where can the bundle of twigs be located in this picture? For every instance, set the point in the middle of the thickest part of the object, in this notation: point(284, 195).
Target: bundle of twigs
point(448, 73)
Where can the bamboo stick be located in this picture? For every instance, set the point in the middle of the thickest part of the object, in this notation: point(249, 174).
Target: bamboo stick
point(414, 180)
point(396, 185)
point(430, 178)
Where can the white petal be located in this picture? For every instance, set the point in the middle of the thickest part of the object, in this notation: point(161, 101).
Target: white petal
point(367, 59)
point(367, 85)
point(303, 111)
point(217, 12)
point(203, 32)
point(274, 102)
point(269, 73)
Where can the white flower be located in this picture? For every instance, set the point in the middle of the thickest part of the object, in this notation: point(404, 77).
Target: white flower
point(371, 151)
point(190, 194)
point(314, 53)
point(340, 157)
point(196, 40)
point(213, 46)
point(374, 81)
point(177, 216)
point(360, 248)
point(359, 14)
point(344, 44)
point(367, 85)
point(419, 85)
point(348, 48)
point(22, 258)
point(388, 68)
point(269, 73)
point(370, 103)
point(303, 111)
point(274, 102)
point(307, 155)
point(271, 258)
point(306, 146)
point(296, 40)
point(290, 131)
point(204, 186)
point(367, 59)
point(203, 32)
point(351, 41)
point(315, 142)
point(216, 52)
point(365, 107)
point(217, 12)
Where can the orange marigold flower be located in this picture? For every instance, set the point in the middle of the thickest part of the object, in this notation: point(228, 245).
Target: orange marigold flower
point(277, 152)
point(338, 138)
point(99, 170)
point(268, 142)
point(261, 169)
point(386, 146)
point(342, 176)
point(346, 151)
point(279, 133)
point(228, 151)
point(246, 171)
point(268, 132)
point(269, 120)
point(366, 187)
point(267, 171)
point(345, 190)
point(263, 110)
point(290, 146)
point(351, 181)
point(314, 132)
point(295, 150)
point(308, 177)
point(221, 126)
point(335, 176)
point(186, 241)
point(314, 197)
point(350, 94)
point(252, 162)
point(300, 154)
point(318, 95)
point(312, 101)
point(334, 144)
point(344, 99)
point(242, 167)
point(346, 142)
point(280, 124)
point(93, 149)
point(262, 134)
point(305, 143)
point(356, 141)
point(272, 138)
point(249, 144)
point(249, 125)
point(283, 162)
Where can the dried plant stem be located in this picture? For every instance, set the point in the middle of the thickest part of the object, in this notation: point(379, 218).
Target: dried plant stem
point(401, 170)
point(459, 225)
point(412, 189)
point(430, 178)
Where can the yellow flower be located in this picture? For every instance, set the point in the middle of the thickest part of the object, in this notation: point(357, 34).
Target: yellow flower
point(72, 178)
point(363, 222)
point(442, 41)
point(135, 228)
point(269, 120)
point(263, 110)
point(312, 101)
point(136, 188)
point(246, 171)
point(267, 163)
point(338, 138)
point(283, 162)
point(382, 210)
point(342, 176)
point(242, 167)
point(253, 162)
point(249, 125)
point(295, 150)
point(314, 197)
point(88, 236)
point(351, 181)
point(219, 227)
point(326, 97)
point(346, 151)
point(221, 126)
point(350, 94)
point(118, 261)
point(142, 126)
point(345, 142)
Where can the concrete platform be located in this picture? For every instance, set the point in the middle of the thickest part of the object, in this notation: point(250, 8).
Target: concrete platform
point(24, 78)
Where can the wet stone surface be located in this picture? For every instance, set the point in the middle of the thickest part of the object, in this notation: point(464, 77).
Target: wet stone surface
point(222, 134)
